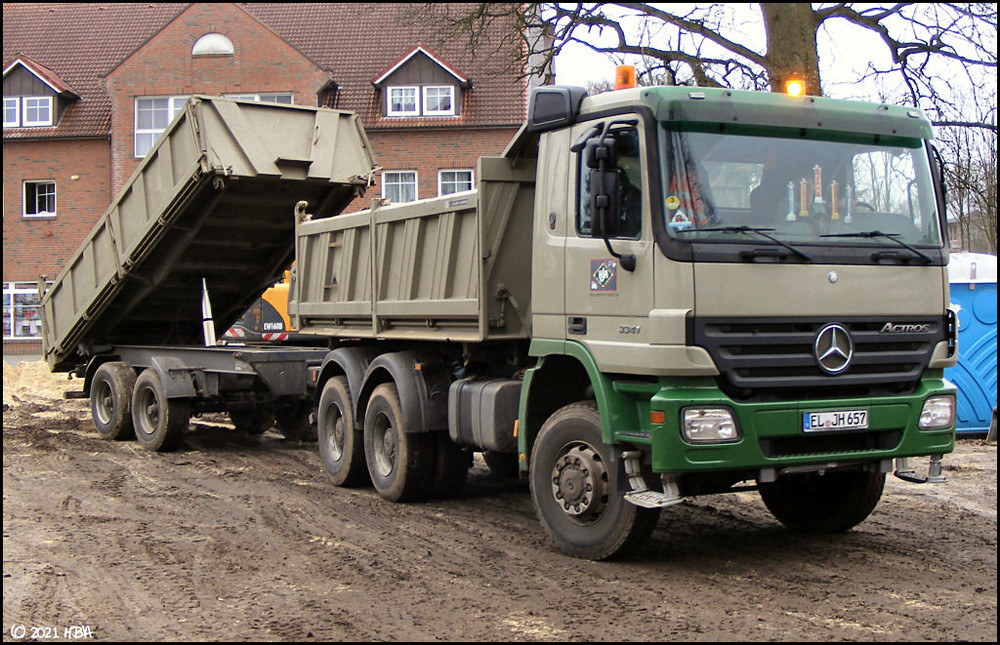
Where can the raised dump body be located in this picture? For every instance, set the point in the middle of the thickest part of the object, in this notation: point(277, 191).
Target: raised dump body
point(213, 200)
point(454, 268)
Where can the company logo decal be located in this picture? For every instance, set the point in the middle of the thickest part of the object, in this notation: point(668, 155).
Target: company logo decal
point(603, 276)
point(833, 349)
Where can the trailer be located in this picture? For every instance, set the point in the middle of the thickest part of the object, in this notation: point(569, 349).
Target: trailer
point(204, 225)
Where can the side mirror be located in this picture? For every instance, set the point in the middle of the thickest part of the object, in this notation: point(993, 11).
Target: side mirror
point(604, 204)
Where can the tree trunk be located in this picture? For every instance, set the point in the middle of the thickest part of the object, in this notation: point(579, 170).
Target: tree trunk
point(791, 45)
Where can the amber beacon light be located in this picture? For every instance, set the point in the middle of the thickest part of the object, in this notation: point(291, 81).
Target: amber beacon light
point(624, 77)
point(795, 87)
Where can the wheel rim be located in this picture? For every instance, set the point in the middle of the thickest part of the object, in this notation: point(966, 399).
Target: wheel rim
point(580, 483)
point(104, 402)
point(148, 411)
point(334, 431)
point(384, 445)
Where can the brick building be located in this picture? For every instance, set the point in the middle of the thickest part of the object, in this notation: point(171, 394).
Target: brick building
point(88, 87)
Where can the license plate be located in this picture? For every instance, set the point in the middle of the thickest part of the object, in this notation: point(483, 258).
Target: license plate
point(835, 420)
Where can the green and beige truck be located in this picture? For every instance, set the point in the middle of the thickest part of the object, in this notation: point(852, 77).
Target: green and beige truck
point(654, 293)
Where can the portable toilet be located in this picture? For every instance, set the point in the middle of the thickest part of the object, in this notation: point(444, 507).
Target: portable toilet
point(973, 285)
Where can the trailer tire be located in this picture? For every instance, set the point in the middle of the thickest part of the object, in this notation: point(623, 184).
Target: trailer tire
point(829, 503)
point(578, 487)
point(341, 442)
point(400, 463)
point(159, 422)
point(111, 401)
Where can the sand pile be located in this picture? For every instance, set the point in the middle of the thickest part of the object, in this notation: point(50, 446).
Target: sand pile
point(34, 382)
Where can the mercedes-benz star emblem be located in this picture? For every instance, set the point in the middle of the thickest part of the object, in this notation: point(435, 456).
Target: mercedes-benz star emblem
point(833, 349)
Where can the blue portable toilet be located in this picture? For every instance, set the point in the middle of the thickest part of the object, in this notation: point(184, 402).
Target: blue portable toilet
point(973, 285)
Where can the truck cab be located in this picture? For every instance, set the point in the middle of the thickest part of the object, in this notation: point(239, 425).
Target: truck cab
point(752, 286)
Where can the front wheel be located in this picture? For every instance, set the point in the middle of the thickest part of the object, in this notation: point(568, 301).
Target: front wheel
point(159, 422)
point(578, 487)
point(830, 503)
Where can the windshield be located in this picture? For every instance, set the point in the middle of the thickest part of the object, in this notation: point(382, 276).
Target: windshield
point(796, 191)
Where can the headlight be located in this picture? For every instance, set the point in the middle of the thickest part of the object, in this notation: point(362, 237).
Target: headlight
point(938, 413)
point(709, 425)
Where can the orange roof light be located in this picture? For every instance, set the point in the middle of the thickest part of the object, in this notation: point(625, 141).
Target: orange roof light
point(624, 77)
point(795, 87)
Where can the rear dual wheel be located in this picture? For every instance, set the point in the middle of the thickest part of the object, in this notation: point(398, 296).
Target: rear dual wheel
point(159, 422)
point(111, 400)
point(401, 464)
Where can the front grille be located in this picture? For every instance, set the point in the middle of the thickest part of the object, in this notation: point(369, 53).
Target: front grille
point(765, 355)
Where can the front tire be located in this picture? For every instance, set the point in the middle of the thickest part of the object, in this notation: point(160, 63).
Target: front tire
point(159, 422)
point(341, 443)
point(578, 486)
point(111, 401)
point(400, 463)
point(831, 503)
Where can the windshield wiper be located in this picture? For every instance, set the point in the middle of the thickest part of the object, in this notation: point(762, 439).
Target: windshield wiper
point(763, 232)
point(888, 236)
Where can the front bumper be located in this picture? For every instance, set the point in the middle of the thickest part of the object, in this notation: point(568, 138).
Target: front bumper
point(772, 435)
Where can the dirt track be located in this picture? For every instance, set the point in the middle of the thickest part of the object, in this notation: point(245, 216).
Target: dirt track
point(244, 538)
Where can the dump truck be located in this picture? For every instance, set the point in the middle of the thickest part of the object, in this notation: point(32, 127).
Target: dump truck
point(652, 294)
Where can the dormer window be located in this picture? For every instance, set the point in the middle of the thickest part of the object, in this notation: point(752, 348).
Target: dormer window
point(439, 101)
point(421, 84)
point(27, 111)
point(403, 101)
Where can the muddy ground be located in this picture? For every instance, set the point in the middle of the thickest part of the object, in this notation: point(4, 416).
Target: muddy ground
point(244, 538)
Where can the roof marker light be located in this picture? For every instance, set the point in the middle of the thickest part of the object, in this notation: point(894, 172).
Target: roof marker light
point(625, 77)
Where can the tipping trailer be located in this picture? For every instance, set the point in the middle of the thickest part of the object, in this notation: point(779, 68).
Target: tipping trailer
point(203, 226)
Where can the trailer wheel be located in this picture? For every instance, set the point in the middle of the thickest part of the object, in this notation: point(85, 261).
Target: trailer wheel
point(400, 463)
point(159, 422)
point(341, 443)
point(111, 401)
point(829, 503)
point(578, 487)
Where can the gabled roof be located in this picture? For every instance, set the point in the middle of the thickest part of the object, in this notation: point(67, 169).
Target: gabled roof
point(42, 73)
point(81, 42)
point(420, 49)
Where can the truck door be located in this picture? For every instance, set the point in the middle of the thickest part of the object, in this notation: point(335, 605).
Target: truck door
point(607, 305)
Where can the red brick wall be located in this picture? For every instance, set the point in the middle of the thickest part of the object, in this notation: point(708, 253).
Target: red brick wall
point(164, 66)
point(428, 151)
point(81, 170)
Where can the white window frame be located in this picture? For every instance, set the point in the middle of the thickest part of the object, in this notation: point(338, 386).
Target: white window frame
point(36, 105)
point(47, 195)
point(282, 98)
point(403, 112)
point(152, 134)
point(13, 318)
point(454, 180)
point(451, 100)
point(12, 108)
point(394, 179)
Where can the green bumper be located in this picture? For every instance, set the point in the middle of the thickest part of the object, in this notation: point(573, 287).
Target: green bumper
point(772, 435)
